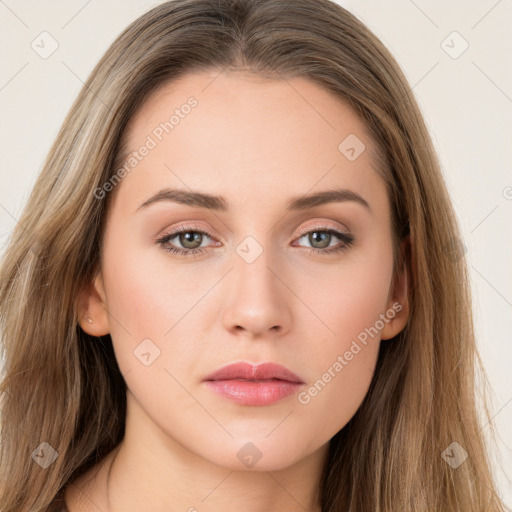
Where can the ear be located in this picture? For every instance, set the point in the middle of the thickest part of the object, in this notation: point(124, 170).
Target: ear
point(398, 298)
point(93, 310)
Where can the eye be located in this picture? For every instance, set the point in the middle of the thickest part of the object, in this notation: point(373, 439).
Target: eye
point(189, 237)
point(320, 239)
point(191, 240)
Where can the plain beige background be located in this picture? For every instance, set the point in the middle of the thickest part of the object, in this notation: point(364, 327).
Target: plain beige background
point(454, 55)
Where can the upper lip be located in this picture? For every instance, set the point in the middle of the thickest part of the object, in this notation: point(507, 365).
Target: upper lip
point(249, 371)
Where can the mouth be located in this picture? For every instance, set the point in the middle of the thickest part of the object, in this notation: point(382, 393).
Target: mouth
point(247, 384)
point(250, 372)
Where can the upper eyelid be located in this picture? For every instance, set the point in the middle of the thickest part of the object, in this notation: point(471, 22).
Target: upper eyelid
point(319, 225)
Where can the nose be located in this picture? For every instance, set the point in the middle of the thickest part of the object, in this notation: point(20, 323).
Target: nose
point(259, 299)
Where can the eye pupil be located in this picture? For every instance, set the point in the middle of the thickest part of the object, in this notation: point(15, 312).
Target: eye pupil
point(322, 236)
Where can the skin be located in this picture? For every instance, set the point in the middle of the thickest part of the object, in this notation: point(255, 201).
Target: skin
point(257, 143)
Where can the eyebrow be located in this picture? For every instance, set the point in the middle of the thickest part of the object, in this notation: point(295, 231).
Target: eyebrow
point(219, 203)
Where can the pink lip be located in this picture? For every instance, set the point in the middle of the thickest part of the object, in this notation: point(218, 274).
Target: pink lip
point(247, 384)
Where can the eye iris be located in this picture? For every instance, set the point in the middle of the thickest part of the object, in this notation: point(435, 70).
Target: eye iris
point(190, 237)
point(323, 237)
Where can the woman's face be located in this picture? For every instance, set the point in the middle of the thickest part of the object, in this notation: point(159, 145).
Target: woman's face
point(261, 273)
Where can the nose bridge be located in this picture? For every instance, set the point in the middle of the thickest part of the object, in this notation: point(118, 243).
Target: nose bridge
point(252, 268)
point(257, 297)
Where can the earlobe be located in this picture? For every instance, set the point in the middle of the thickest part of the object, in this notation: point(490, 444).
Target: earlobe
point(397, 311)
point(93, 310)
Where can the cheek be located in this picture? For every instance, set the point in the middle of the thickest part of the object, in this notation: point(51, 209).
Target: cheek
point(136, 298)
point(146, 292)
point(144, 302)
point(348, 296)
point(159, 312)
point(341, 365)
point(349, 302)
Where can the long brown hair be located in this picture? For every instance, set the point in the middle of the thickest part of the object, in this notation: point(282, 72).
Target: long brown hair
point(64, 388)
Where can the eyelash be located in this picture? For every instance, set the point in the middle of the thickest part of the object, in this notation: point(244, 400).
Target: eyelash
point(347, 240)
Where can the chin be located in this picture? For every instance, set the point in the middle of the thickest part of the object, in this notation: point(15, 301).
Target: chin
point(258, 454)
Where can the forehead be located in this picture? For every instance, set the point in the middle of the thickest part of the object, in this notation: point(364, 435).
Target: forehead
point(230, 103)
point(245, 134)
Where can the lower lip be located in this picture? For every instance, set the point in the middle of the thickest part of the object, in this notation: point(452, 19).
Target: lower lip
point(246, 392)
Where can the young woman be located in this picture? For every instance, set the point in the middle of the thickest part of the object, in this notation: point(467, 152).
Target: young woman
point(234, 285)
